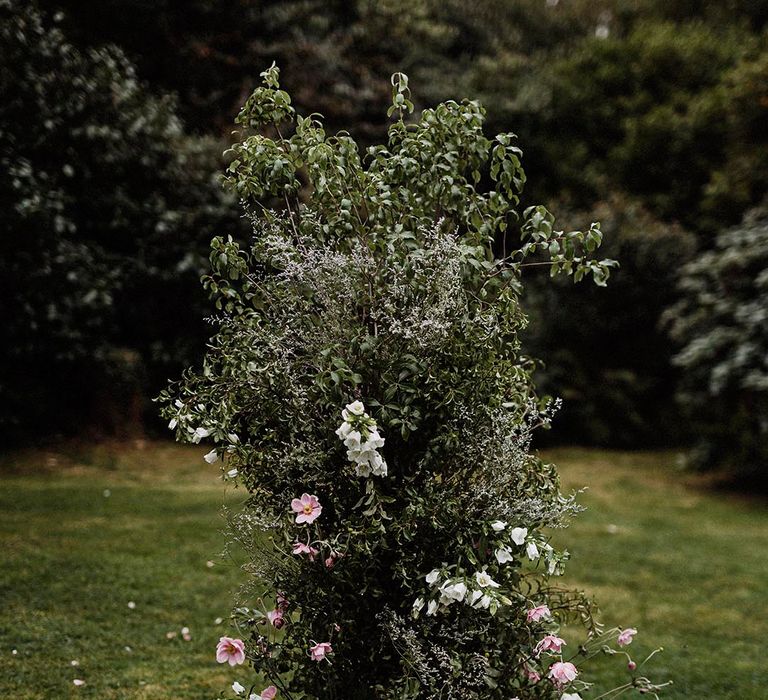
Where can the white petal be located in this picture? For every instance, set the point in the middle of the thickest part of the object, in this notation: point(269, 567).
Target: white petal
point(518, 535)
point(211, 457)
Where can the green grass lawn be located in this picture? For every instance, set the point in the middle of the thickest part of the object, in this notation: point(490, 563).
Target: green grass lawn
point(685, 566)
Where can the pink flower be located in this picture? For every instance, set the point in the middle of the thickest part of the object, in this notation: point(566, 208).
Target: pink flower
point(550, 643)
point(533, 675)
point(562, 672)
point(282, 601)
point(625, 637)
point(307, 507)
point(230, 651)
point(330, 562)
point(276, 618)
point(538, 613)
point(268, 693)
point(301, 548)
point(318, 652)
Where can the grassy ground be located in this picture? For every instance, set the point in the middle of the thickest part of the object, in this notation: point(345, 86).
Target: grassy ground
point(82, 534)
point(687, 567)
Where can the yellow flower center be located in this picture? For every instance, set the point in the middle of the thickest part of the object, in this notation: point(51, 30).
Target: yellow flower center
point(308, 509)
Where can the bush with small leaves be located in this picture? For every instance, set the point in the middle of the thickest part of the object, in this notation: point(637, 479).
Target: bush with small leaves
point(367, 388)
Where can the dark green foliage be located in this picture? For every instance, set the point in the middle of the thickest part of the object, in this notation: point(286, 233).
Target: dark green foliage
point(721, 326)
point(106, 205)
point(602, 349)
point(375, 281)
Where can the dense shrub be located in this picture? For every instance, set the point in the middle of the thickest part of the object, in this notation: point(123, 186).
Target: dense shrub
point(366, 386)
point(721, 326)
point(105, 206)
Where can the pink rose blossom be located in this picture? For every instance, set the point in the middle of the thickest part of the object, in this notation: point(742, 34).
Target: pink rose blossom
point(301, 548)
point(307, 507)
point(562, 672)
point(230, 651)
point(276, 618)
point(268, 693)
point(538, 613)
point(625, 637)
point(550, 643)
point(318, 652)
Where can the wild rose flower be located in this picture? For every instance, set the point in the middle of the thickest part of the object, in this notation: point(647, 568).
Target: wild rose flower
point(266, 694)
point(319, 652)
point(538, 613)
point(562, 672)
point(301, 548)
point(518, 535)
point(307, 507)
point(550, 643)
point(231, 651)
point(276, 618)
point(625, 637)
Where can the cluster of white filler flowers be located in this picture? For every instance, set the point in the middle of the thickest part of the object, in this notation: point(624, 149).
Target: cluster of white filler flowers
point(361, 437)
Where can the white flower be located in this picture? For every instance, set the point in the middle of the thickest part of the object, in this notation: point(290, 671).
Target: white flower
point(503, 555)
point(356, 408)
point(433, 576)
point(211, 457)
point(432, 607)
point(78, 682)
point(498, 525)
point(552, 567)
point(485, 601)
point(232, 437)
point(518, 535)
point(570, 696)
point(454, 591)
point(343, 430)
point(237, 688)
point(374, 440)
point(232, 473)
point(483, 580)
point(199, 434)
point(532, 551)
point(475, 596)
point(418, 604)
point(173, 423)
point(352, 441)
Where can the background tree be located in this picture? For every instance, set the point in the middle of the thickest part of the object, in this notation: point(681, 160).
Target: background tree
point(721, 326)
point(107, 207)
